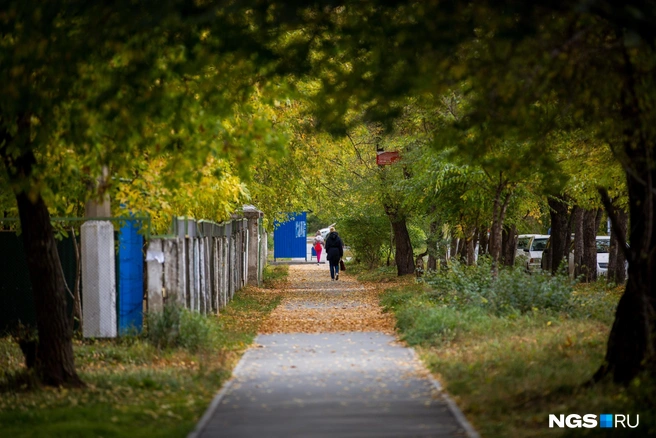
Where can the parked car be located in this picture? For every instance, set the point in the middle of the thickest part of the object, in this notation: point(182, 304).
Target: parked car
point(548, 246)
point(532, 246)
point(325, 231)
point(603, 245)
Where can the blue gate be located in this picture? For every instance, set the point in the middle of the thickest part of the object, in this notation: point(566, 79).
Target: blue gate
point(130, 278)
point(290, 237)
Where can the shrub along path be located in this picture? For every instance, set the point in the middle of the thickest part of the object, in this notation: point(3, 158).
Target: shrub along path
point(327, 364)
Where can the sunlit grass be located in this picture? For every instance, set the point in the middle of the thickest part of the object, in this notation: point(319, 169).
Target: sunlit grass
point(509, 372)
point(383, 274)
point(274, 274)
point(133, 388)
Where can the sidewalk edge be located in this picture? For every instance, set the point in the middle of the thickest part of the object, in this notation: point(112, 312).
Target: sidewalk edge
point(217, 400)
point(453, 407)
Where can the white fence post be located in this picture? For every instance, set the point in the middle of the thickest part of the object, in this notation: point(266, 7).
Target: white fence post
point(182, 271)
point(98, 279)
point(172, 287)
point(215, 275)
point(154, 272)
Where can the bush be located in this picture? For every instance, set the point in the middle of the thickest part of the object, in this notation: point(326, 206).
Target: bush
point(436, 325)
point(178, 327)
point(512, 291)
point(417, 236)
point(195, 331)
point(381, 274)
point(273, 274)
point(366, 236)
point(163, 327)
point(423, 322)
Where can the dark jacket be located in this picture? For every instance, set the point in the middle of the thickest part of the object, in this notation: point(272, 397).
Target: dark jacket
point(334, 247)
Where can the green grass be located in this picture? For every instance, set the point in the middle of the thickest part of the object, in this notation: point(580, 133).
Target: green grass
point(509, 370)
point(133, 387)
point(274, 274)
point(383, 274)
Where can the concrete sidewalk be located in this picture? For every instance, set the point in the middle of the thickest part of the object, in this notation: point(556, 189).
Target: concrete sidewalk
point(348, 384)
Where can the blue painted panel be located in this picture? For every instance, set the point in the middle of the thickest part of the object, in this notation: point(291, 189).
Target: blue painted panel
point(130, 278)
point(290, 237)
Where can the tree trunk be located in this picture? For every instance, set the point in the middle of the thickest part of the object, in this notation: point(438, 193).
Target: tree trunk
point(54, 360)
point(483, 240)
point(498, 216)
point(631, 343)
point(471, 252)
point(391, 247)
point(509, 245)
point(576, 244)
point(616, 257)
point(558, 209)
point(569, 236)
point(453, 249)
point(547, 258)
point(495, 243)
point(589, 263)
point(432, 246)
point(632, 340)
point(432, 262)
point(77, 299)
point(471, 247)
point(463, 246)
point(462, 250)
point(404, 258)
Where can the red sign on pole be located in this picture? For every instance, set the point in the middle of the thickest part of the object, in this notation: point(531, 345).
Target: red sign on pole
point(387, 158)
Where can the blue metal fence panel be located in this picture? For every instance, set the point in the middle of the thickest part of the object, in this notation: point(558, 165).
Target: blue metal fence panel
point(290, 237)
point(130, 278)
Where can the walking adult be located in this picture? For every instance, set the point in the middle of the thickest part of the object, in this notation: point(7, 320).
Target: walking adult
point(318, 245)
point(334, 252)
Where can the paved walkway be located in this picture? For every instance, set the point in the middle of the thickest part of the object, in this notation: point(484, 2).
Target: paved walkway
point(309, 377)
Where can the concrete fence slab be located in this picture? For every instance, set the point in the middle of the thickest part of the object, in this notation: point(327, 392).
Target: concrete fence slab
point(98, 279)
point(155, 275)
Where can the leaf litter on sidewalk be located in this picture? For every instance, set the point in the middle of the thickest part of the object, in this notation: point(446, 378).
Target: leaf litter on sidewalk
point(312, 303)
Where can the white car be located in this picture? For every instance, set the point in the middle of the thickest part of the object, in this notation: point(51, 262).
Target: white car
point(531, 246)
point(603, 245)
point(325, 231)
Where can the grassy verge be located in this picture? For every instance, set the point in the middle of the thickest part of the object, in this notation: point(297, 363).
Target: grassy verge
point(509, 366)
point(275, 274)
point(135, 388)
point(384, 274)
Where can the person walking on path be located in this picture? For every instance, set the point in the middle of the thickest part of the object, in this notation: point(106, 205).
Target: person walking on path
point(318, 245)
point(334, 252)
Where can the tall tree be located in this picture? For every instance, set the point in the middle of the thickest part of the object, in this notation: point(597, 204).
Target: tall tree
point(616, 255)
point(108, 82)
point(524, 64)
point(558, 210)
